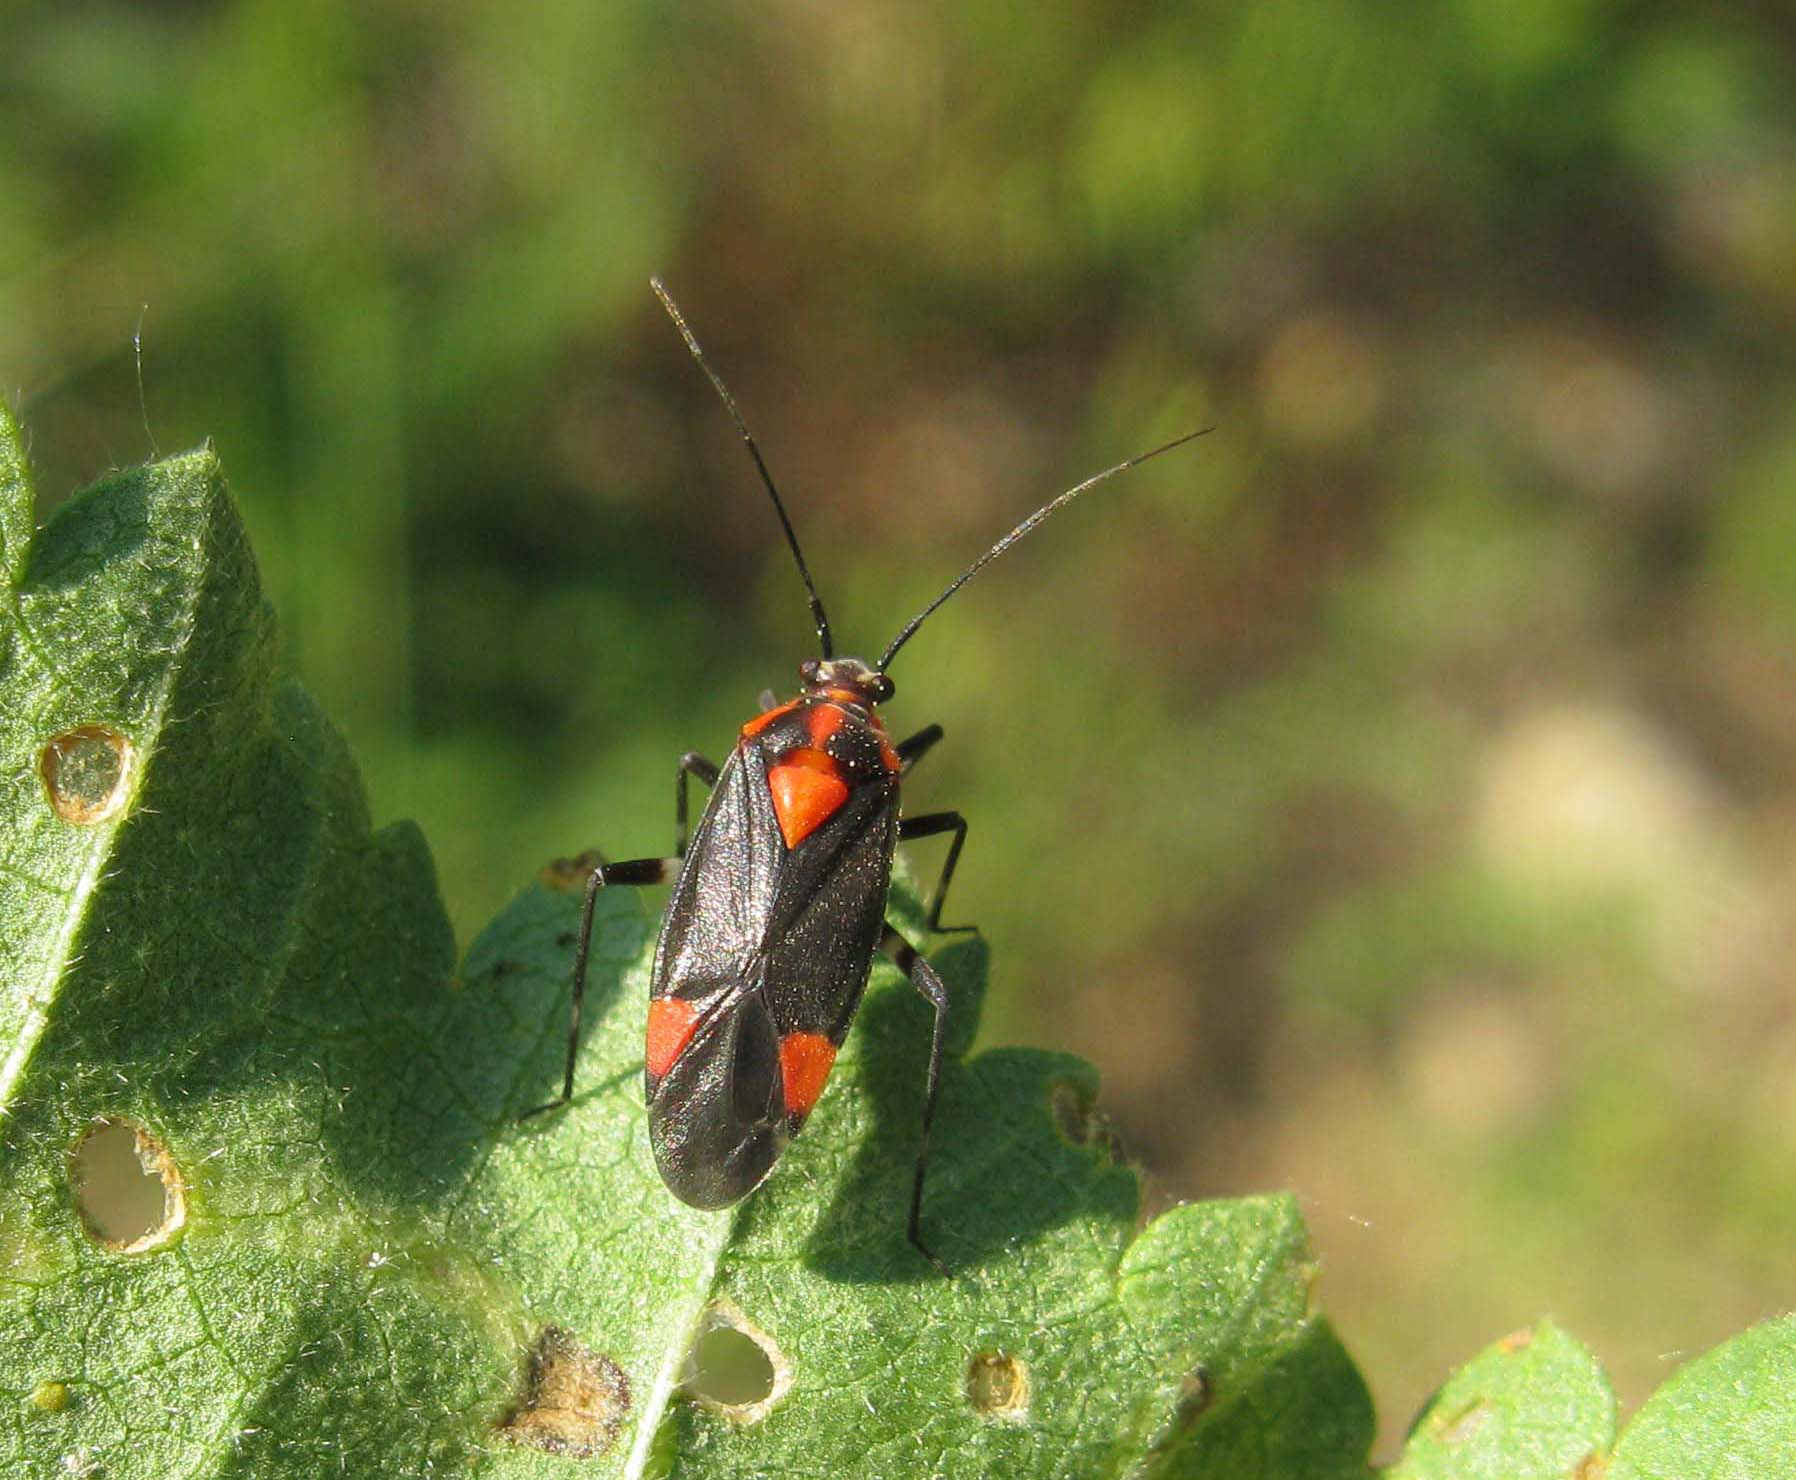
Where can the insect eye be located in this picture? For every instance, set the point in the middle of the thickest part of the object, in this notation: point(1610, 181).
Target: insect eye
point(882, 688)
point(808, 670)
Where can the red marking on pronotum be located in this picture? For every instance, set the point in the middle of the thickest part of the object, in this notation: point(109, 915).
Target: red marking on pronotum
point(807, 788)
point(805, 1060)
point(887, 755)
point(823, 721)
point(672, 1021)
point(762, 720)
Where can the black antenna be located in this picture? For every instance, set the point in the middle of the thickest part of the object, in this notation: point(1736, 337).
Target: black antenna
point(817, 616)
point(1022, 529)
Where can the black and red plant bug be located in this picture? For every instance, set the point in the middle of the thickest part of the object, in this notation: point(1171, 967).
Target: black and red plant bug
point(779, 902)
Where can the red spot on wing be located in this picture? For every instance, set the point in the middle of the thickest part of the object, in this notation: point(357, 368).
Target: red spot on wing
point(672, 1021)
point(805, 1060)
point(807, 788)
point(767, 717)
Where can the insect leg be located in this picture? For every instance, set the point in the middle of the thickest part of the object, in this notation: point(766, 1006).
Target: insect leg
point(691, 764)
point(927, 826)
point(924, 978)
point(636, 871)
point(914, 749)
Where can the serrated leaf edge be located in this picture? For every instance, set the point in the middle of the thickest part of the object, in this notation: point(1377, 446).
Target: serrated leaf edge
point(58, 960)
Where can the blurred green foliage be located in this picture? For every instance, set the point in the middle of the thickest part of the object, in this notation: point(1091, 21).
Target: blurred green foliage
point(1394, 792)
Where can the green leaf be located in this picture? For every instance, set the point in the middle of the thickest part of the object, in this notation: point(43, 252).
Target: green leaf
point(271, 1211)
point(1729, 1415)
point(1533, 1405)
point(332, 1247)
point(208, 950)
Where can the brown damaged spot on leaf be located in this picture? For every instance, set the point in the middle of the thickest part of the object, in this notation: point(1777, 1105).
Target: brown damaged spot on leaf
point(574, 1399)
point(86, 773)
point(1080, 1124)
point(1457, 1428)
point(569, 875)
point(734, 1367)
point(998, 1386)
point(129, 1192)
point(1196, 1393)
point(1516, 1341)
point(1071, 1112)
point(1309, 1272)
point(1594, 1466)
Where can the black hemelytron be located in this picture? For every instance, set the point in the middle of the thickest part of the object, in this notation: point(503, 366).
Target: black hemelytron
point(779, 904)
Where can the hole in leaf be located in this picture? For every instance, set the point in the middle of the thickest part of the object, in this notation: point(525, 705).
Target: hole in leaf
point(127, 1188)
point(85, 771)
point(574, 1399)
point(734, 1367)
point(998, 1386)
point(729, 1367)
